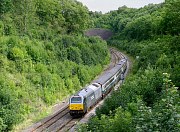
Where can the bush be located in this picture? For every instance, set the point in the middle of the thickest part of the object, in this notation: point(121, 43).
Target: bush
point(1, 28)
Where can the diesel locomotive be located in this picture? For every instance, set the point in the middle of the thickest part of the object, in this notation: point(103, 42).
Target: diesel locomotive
point(86, 98)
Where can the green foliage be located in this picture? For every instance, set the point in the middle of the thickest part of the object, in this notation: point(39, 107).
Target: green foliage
point(23, 13)
point(2, 125)
point(76, 15)
point(9, 107)
point(1, 28)
point(147, 85)
point(44, 56)
point(164, 115)
point(16, 54)
point(127, 109)
point(121, 121)
point(37, 76)
point(171, 20)
point(50, 15)
point(140, 28)
point(34, 17)
point(5, 6)
point(83, 75)
point(88, 56)
point(140, 24)
point(148, 100)
point(74, 55)
point(159, 52)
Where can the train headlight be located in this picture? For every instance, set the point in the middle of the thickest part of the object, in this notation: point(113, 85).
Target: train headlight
point(71, 107)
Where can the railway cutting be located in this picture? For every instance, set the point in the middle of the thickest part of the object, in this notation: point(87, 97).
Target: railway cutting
point(61, 120)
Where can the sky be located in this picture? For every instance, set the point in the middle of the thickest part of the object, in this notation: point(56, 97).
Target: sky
point(107, 5)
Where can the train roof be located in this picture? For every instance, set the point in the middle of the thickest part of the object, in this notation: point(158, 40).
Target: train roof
point(121, 62)
point(104, 78)
point(85, 92)
point(107, 75)
point(94, 87)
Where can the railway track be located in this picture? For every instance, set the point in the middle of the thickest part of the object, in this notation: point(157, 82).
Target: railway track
point(62, 121)
point(115, 57)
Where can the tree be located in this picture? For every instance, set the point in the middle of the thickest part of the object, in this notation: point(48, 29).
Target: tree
point(76, 16)
point(24, 15)
point(140, 28)
point(5, 6)
point(50, 15)
point(1, 28)
point(74, 54)
point(171, 20)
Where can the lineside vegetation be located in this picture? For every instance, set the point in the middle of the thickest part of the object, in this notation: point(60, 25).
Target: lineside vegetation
point(44, 56)
point(149, 98)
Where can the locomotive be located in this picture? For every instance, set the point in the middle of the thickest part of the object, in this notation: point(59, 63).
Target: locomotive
point(85, 99)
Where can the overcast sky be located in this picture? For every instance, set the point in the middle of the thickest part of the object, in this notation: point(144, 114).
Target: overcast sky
point(107, 5)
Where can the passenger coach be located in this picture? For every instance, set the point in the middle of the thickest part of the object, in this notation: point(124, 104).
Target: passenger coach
point(81, 102)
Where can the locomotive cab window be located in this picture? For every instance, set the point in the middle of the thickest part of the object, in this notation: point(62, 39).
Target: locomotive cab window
point(76, 100)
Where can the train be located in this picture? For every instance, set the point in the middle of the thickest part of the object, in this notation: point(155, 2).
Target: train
point(81, 102)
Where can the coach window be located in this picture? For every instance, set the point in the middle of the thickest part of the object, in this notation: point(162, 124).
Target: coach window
point(107, 84)
point(118, 73)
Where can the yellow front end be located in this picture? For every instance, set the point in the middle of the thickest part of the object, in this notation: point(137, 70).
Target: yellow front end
point(76, 106)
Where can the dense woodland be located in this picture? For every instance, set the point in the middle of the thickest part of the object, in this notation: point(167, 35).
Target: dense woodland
point(149, 98)
point(44, 56)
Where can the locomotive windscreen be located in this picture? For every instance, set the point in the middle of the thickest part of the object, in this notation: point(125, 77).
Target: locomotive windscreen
point(76, 100)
